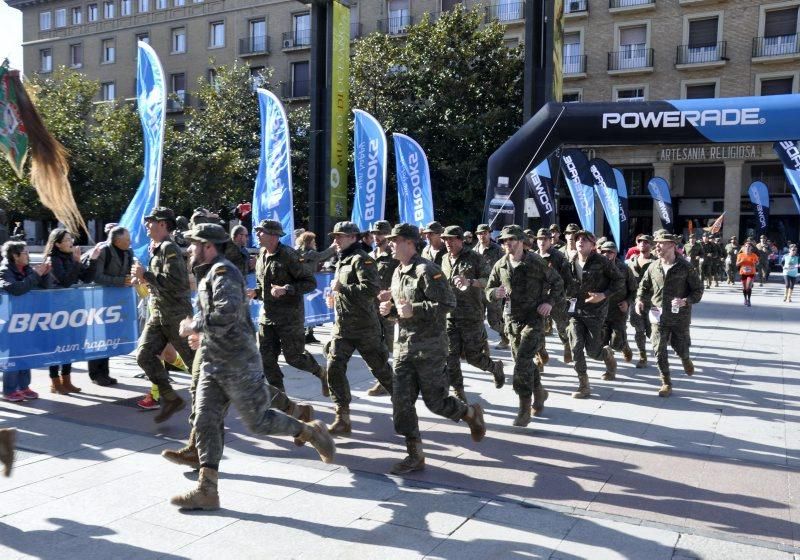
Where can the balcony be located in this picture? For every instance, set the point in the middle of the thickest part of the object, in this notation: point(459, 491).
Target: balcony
point(298, 90)
point(688, 57)
point(575, 9)
point(397, 25)
point(506, 12)
point(575, 66)
point(177, 102)
point(630, 61)
point(355, 30)
point(251, 46)
point(615, 6)
point(297, 39)
point(776, 49)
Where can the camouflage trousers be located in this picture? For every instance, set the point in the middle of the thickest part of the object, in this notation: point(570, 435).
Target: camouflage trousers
point(730, 271)
point(560, 318)
point(290, 339)
point(676, 336)
point(642, 329)
point(467, 338)
point(494, 315)
point(387, 327)
point(708, 269)
point(525, 340)
point(615, 330)
point(152, 342)
point(585, 338)
point(372, 350)
point(763, 270)
point(246, 390)
point(421, 372)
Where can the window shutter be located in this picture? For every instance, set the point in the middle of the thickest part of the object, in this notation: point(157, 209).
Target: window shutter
point(703, 32)
point(781, 22)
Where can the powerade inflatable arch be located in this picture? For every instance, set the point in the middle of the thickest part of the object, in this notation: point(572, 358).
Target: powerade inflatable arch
point(684, 121)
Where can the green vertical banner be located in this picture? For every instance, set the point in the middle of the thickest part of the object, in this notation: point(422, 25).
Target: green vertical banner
point(340, 109)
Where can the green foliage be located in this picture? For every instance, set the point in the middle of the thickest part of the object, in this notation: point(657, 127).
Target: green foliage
point(453, 86)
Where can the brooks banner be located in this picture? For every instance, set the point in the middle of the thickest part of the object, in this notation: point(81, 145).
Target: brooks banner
point(48, 327)
point(624, 222)
point(272, 195)
point(759, 196)
point(575, 167)
point(339, 84)
point(659, 190)
point(369, 157)
point(414, 199)
point(789, 153)
point(541, 189)
point(316, 310)
point(606, 186)
point(151, 101)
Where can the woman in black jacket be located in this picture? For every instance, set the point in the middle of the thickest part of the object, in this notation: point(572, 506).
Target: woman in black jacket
point(65, 259)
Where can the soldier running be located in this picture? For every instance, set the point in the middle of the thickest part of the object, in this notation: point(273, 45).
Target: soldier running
point(731, 252)
point(435, 250)
point(615, 328)
point(638, 264)
point(385, 263)
point(557, 261)
point(491, 252)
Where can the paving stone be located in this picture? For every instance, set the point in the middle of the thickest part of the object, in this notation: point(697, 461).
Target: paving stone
point(602, 538)
point(704, 548)
point(479, 540)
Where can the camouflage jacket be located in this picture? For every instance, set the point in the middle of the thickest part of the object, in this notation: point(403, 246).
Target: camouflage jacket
point(168, 281)
point(710, 250)
point(694, 251)
point(637, 269)
point(470, 303)
point(628, 293)
point(763, 252)
point(491, 254)
point(599, 275)
point(239, 257)
point(282, 268)
point(557, 261)
point(385, 264)
point(433, 255)
point(422, 284)
point(356, 302)
point(658, 289)
point(731, 251)
point(528, 285)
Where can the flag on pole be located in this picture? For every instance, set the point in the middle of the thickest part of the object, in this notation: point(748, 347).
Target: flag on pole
point(414, 199)
point(717, 225)
point(369, 157)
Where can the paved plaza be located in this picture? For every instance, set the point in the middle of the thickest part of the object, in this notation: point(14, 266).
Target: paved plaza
point(712, 472)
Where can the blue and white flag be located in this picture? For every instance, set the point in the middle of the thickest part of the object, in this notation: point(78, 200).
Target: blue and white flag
point(272, 195)
point(369, 156)
point(659, 190)
point(759, 196)
point(606, 186)
point(789, 153)
point(151, 100)
point(541, 189)
point(414, 199)
point(575, 167)
point(624, 222)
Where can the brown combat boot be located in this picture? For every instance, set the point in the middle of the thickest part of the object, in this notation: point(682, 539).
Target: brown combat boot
point(611, 364)
point(377, 390)
point(66, 384)
point(583, 392)
point(477, 427)
point(544, 356)
point(642, 363)
point(168, 408)
point(303, 412)
point(627, 353)
point(341, 424)
point(316, 433)
point(187, 455)
point(203, 497)
point(567, 354)
point(688, 366)
point(539, 396)
point(524, 414)
point(499, 374)
point(323, 381)
point(8, 438)
point(415, 461)
point(666, 386)
point(57, 386)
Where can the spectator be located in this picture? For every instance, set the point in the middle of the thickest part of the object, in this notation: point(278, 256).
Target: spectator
point(19, 232)
point(790, 262)
point(306, 245)
point(236, 251)
point(244, 213)
point(17, 277)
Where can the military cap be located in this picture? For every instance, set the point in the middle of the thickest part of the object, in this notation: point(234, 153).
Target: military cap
point(555, 228)
point(433, 227)
point(207, 233)
point(663, 235)
point(482, 227)
point(345, 228)
point(271, 227)
point(161, 213)
point(644, 237)
point(572, 228)
point(382, 227)
point(182, 223)
point(544, 234)
point(609, 246)
point(584, 233)
point(407, 231)
point(600, 240)
point(512, 232)
point(453, 231)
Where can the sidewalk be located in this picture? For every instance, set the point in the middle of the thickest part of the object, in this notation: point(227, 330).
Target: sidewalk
point(712, 472)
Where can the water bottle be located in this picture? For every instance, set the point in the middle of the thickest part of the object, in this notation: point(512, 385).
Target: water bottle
point(675, 307)
point(501, 207)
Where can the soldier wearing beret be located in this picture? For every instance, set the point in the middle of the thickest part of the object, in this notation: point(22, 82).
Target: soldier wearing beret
point(638, 264)
point(615, 328)
point(491, 252)
point(555, 259)
point(434, 251)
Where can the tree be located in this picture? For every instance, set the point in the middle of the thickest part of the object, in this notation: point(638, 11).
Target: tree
point(453, 86)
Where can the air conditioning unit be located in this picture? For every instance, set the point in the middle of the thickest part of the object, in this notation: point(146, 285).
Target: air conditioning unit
point(288, 43)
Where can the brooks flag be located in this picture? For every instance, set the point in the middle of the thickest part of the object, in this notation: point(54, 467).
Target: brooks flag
point(272, 195)
point(540, 188)
point(606, 186)
point(151, 101)
point(759, 196)
point(575, 167)
point(624, 223)
point(369, 155)
point(414, 199)
point(789, 153)
point(659, 190)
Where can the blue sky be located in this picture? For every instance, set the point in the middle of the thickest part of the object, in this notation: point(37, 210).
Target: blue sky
point(11, 37)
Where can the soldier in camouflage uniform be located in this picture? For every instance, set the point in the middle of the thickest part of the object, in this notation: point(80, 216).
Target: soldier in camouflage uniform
point(615, 328)
point(557, 261)
point(764, 251)
point(385, 263)
point(694, 251)
point(671, 287)
point(594, 281)
point(531, 288)
point(555, 232)
point(168, 281)
point(420, 298)
point(467, 273)
point(435, 250)
point(230, 371)
point(568, 248)
point(731, 252)
point(491, 252)
point(354, 292)
point(281, 280)
point(638, 264)
point(708, 267)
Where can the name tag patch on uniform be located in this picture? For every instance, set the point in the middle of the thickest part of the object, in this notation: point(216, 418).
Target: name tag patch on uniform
point(221, 270)
point(437, 276)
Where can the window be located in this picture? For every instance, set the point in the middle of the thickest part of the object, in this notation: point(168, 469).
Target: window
point(780, 32)
point(216, 34)
point(108, 10)
point(449, 4)
point(258, 35)
point(77, 16)
point(178, 3)
point(125, 7)
point(572, 53)
point(76, 55)
point(300, 79)
point(109, 51)
point(571, 96)
point(45, 60)
point(776, 86)
point(177, 84)
point(61, 17)
point(161, 4)
point(301, 30)
point(399, 16)
point(91, 12)
point(701, 91)
point(635, 93)
point(506, 10)
point(143, 37)
point(179, 40)
point(703, 45)
point(45, 21)
point(108, 91)
point(144, 6)
point(257, 79)
point(212, 76)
